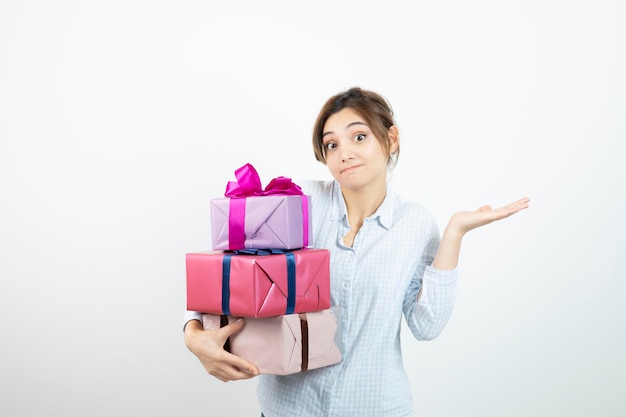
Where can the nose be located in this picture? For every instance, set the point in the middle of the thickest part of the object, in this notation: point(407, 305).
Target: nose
point(347, 152)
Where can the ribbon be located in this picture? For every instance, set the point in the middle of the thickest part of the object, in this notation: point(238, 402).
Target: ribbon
point(258, 252)
point(291, 283)
point(226, 284)
point(248, 184)
point(304, 331)
point(291, 276)
point(224, 322)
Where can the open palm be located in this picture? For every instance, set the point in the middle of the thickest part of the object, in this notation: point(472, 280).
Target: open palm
point(464, 221)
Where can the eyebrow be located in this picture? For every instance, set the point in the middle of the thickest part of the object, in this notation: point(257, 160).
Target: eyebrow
point(348, 126)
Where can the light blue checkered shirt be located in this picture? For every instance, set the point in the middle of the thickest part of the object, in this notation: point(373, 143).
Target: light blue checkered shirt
point(374, 282)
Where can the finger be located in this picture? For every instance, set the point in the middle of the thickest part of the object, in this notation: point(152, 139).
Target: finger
point(230, 373)
point(506, 211)
point(241, 366)
point(521, 203)
point(226, 366)
point(231, 328)
point(237, 364)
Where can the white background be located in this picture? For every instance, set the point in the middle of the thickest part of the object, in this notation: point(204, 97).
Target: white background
point(120, 120)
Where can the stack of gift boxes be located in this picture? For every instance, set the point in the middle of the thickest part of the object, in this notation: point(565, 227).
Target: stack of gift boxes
point(265, 268)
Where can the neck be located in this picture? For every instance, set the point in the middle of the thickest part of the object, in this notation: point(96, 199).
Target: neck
point(361, 204)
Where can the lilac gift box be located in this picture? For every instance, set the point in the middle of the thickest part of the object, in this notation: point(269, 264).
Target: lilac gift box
point(269, 221)
point(285, 344)
point(251, 217)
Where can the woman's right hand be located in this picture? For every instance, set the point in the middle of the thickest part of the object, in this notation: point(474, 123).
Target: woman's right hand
point(208, 346)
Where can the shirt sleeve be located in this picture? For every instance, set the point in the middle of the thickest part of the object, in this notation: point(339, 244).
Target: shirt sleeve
point(427, 317)
point(191, 315)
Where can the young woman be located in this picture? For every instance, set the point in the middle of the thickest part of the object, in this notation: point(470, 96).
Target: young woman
point(388, 260)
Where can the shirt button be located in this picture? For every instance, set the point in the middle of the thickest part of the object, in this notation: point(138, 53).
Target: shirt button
point(346, 284)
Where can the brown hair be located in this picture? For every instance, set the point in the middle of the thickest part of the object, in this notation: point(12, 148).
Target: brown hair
point(371, 106)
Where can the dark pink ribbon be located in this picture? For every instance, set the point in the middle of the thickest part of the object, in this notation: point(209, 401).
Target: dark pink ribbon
point(249, 184)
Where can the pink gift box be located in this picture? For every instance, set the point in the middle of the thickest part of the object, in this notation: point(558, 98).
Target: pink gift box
point(220, 282)
point(271, 221)
point(285, 344)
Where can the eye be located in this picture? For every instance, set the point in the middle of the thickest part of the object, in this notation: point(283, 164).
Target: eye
point(360, 137)
point(329, 146)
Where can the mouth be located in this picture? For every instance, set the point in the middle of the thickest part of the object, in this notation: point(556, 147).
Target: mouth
point(348, 169)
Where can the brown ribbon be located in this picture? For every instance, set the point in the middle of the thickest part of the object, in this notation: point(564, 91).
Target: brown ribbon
point(304, 330)
point(224, 322)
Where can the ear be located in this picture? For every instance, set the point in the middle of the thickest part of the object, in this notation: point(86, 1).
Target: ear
point(394, 139)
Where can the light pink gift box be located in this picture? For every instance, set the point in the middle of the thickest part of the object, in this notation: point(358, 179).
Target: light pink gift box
point(285, 344)
point(220, 282)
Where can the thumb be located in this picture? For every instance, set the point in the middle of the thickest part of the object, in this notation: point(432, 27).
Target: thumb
point(231, 328)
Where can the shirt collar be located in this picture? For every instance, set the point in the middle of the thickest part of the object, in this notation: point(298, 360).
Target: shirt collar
point(384, 213)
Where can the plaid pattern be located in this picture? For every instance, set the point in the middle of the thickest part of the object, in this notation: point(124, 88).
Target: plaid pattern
point(375, 282)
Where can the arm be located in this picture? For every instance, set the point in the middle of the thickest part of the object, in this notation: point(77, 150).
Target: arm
point(429, 299)
point(462, 222)
point(428, 313)
point(207, 345)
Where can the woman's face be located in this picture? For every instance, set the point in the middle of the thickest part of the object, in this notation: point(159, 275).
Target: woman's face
point(354, 155)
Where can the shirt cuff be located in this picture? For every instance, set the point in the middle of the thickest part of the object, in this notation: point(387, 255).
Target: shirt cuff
point(441, 276)
point(191, 315)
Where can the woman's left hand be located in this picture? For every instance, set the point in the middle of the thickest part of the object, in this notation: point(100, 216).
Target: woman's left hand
point(464, 221)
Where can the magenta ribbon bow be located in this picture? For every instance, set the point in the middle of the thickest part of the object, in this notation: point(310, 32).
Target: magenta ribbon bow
point(249, 184)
